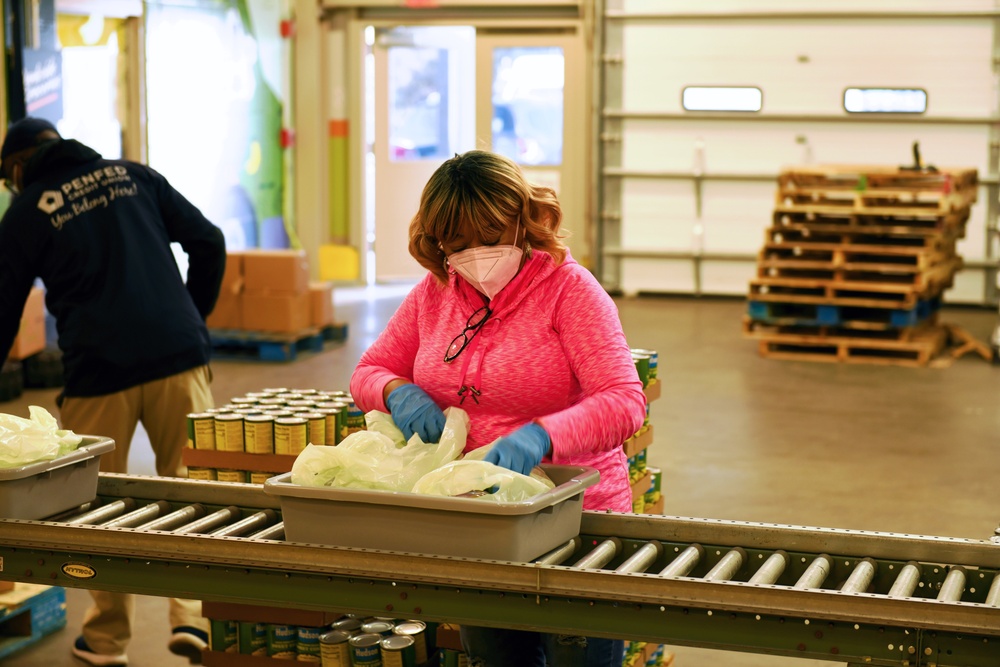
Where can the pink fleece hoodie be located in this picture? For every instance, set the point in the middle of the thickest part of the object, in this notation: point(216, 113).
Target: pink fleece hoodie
point(552, 352)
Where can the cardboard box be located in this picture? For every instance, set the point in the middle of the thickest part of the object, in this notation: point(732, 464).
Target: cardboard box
point(232, 279)
point(276, 313)
point(228, 312)
point(321, 297)
point(276, 271)
point(31, 336)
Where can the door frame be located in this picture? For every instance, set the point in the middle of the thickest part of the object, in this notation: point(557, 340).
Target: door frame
point(511, 19)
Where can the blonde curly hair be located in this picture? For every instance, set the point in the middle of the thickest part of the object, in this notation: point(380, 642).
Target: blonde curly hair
point(479, 195)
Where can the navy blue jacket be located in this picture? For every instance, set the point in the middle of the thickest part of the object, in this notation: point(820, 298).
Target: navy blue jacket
point(98, 234)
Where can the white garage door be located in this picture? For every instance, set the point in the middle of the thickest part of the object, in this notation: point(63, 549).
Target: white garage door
point(686, 194)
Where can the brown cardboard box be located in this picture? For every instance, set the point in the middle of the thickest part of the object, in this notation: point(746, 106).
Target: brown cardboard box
point(277, 313)
point(228, 312)
point(275, 271)
point(232, 279)
point(6, 586)
point(321, 296)
point(31, 336)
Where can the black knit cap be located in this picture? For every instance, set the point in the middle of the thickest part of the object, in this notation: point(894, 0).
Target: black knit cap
point(23, 134)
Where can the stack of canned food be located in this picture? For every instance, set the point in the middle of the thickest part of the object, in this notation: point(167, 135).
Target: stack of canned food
point(349, 641)
point(271, 421)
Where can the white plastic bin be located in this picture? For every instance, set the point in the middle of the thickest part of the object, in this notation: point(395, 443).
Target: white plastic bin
point(438, 525)
point(42, 489)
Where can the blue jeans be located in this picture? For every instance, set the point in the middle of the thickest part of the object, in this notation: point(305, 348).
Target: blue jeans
point(495, 647)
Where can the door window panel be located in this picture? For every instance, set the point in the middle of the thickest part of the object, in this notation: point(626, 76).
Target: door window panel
point(418, 103)
point(527, 100)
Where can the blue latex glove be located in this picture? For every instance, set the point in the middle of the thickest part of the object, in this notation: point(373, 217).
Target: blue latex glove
point(522, 450)
point(414, 411)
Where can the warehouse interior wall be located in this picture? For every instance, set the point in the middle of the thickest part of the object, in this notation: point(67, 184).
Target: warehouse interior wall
point(686, 193)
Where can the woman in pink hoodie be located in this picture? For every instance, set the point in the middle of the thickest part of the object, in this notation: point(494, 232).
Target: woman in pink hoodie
point(509, 327)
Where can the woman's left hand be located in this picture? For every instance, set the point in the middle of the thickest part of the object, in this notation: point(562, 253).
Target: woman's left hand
point(522, 450)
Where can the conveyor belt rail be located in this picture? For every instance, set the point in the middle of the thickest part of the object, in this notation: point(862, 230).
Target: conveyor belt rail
point(840, 595)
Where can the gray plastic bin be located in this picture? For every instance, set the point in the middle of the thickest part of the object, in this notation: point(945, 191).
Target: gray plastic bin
point(39, 490)
point(434, 524)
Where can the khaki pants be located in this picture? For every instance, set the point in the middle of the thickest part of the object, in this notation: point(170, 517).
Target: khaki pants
point(162, 406)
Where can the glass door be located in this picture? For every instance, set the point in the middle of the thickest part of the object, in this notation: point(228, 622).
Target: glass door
point(421, 113)
point(533, 109)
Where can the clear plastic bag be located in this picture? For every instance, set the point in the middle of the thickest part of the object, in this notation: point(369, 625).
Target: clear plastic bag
point(376, 459)
point(38, 438)
point(470, 477)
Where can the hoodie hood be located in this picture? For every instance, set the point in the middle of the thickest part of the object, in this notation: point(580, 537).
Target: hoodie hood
point(57, 156)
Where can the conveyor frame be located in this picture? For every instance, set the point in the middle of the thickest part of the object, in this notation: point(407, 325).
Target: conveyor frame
point(863, 628)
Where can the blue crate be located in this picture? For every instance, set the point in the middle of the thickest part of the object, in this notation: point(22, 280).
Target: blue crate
point(259, 346)
point(42, 614)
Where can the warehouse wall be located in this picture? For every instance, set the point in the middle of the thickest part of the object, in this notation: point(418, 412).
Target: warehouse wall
point(686, 195)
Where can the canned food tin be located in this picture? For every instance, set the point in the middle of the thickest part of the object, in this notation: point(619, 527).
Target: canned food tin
point(352, 626)
point(307, 645)
point(201, 430)
point(253, 638)
point(243, 400)
point(305, 392)
point(272, 402)
point(290, 435)
point(301, 403)
point(418, 631)
point(640, 461)
point(260, 477)
point(317, 427)
point(280, 412)
point(258, 434)
point(202, 473)
point(229, 432)
point(257, 395)
point(341, 429)
point(288, 396)
point(366, 650)
point(250, 410)
point(639, 505)
point(654, 361)
point(399, 651)
point(334, 649)
point(355, 418)
point(281, 641)
point(641, 366)
point(222, 635)
point(383, 628)
point(329, 425)
point(239, 476)
point(275, 390)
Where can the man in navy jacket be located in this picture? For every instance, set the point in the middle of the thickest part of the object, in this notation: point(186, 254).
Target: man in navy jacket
point(132, 330)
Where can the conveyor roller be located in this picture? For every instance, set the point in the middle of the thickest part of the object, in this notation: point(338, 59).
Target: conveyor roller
point(821, 593)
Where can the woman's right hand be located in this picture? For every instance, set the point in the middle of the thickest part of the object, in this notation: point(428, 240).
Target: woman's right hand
point(413, 411)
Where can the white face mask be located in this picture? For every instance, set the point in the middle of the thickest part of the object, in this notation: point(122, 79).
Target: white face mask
point(488, 268)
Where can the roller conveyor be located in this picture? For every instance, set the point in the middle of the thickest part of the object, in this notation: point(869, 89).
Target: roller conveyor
point(839, 595)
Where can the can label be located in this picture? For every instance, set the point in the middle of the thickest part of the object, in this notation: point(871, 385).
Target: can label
point(239, 476)
point(399, 651)
point(260, 477)
point(307, 644)
point(355, 418)
point(290, 435)
point(229, 433)
point(223, 636)
point(201, 430)
point(253, 638)
point(202, 473)
point(281, 641)
point(366, 650)
point(316, 427)
point(417, 631)
point(258, 434)
point(334, 649)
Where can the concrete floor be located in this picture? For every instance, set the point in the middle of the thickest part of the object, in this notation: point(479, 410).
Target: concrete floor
point(737, 436)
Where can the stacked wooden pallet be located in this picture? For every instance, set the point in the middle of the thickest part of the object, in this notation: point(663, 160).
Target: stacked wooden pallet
point(855, 263)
